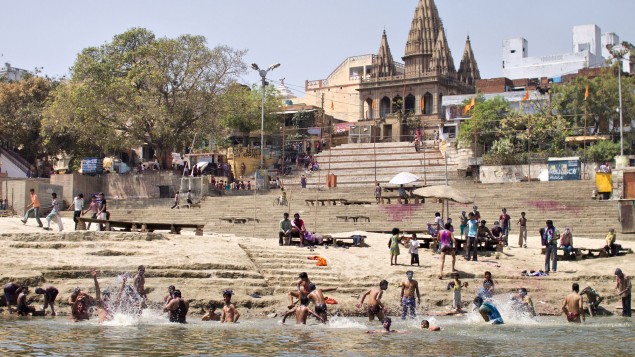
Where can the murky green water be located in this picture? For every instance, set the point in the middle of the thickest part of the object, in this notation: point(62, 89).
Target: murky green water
point(461, 336)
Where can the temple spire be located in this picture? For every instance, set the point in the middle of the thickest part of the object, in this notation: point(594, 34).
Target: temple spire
point(384, 65)
point(422, 38)
point(468, 69)
point(442, 61)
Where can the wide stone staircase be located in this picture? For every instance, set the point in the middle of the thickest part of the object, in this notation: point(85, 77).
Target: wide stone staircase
point(362, 164)
point(566, 203)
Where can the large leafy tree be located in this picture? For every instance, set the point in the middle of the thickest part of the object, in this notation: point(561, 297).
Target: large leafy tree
point(21, 106)
point(142, 89)
point(485, 119)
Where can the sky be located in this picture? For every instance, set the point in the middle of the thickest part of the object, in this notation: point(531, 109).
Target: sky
point(309, 38)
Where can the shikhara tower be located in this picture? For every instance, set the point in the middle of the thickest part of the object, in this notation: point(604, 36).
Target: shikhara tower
point(428, 73)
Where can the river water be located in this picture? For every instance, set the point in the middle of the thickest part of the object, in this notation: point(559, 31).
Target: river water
point(151, 335)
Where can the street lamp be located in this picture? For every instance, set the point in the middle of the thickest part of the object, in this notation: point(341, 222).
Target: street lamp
point(618, 54)
point(263, 76)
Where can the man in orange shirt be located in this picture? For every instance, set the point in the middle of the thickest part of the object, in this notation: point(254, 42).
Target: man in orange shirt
point(34, 207)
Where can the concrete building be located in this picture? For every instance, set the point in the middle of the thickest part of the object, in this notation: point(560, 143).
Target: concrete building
point(588, 51)
point(340, 89)
point(10, 73)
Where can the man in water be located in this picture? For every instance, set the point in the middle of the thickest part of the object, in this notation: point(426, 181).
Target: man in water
point(140, 282)
point(573, 305)
point(302, 312)
point(211, 315)
point(317, 297)
point(11, 292)
point(50, 294)
point(624, 286)
point(524, 302)
point(302, 289)
point(386, 323)
point(170, 295)
point(593, 298)
point(375, 306)
point(81, 301)
point(408, 289)
point(488, 311)
point(177, 308)
point(425, 325)
point(230, 314)
point(24, 308)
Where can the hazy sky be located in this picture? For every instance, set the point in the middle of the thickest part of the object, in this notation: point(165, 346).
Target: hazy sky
point(309, 38)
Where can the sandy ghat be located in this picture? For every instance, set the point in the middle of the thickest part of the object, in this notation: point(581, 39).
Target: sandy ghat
point(202, 267)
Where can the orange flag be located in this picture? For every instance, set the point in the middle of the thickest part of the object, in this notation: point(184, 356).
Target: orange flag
point(372, 103)
point(586, 93)
point(469, 106)
point(526, 97)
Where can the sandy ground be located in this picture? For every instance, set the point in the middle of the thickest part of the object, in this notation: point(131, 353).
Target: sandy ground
point(202, 267)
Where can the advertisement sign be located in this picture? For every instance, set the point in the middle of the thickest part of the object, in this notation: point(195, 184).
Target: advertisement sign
point(563, 169)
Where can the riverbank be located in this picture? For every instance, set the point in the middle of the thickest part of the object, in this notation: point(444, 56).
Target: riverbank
point(202, 267)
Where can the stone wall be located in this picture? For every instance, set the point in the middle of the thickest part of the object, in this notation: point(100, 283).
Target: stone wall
point(16, 192)
point(518, 173)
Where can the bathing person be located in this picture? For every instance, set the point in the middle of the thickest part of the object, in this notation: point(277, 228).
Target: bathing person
point(488, 311)
point(524, 302)
point(573, 305)
point(170, 295)
point(317, 297)
point(211, 315)
point(425, 325)
point(302, 312)
point(11, 292)
point(24, 308)
point(81, 301)
point(624, 286)
point(50, 294)
point(375, 306)
point(230, 314)
point(408, 289)
point(593, 299)
point(446, 245)
point(140, 282)
point(456, 285)
point(302, 289)
point(177, 308)
point(386, 324)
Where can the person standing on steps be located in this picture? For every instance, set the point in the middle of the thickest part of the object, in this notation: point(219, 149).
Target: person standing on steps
point(377, 192)
point(414, 250)
point(472, 232)
point(33, 207)
point(303, 181)
point(522, 230)
point(504, 220)
point(102, 213)
point(393, 245)
point(551, 237)
point(189, 199)
point(284, 235)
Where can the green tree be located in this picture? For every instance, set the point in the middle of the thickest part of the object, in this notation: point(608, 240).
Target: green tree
point(485, 120)
point(603, 151)
point(21, 106)
point(242, 109)
point(142, 89)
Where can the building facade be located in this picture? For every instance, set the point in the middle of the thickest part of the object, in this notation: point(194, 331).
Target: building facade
point(588, 51)
point(10, 73)
point(429, 73)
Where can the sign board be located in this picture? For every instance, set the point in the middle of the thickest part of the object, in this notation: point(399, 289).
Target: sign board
point(563, 169)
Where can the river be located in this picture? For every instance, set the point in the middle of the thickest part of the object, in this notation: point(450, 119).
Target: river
point(151, 335)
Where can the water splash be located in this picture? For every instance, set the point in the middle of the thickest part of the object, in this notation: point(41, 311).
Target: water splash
point(340, 322)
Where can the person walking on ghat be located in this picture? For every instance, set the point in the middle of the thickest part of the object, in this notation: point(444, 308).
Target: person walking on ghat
point(522, 230)
point(55, 214)
point(33, 207)
point(78, 204)
point(176, 200)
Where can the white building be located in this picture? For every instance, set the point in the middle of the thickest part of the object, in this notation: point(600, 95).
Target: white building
point(11, 73)
point(589, 50)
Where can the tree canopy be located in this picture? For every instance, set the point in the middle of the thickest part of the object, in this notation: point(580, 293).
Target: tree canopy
point(141, 89)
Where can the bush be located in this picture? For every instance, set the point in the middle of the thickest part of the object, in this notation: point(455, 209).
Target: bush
point(603, 151)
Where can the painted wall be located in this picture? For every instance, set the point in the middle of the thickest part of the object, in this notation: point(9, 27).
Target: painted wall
point(518, 173)
point(8, 167)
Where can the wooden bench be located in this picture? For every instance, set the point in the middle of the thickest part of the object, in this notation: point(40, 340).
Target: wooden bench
point(355, 202)
point(334, 201)
point(5, 213)
point(409, 200)
point(174, 228)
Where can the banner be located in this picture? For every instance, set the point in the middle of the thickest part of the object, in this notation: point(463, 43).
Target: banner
point(562, 170)
point(315, 131)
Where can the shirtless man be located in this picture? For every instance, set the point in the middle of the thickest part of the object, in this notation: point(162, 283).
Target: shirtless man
point(375, 306)
point(24, 308)
point(140, 282)
point(317, 296)
point(523, 300)
point(302, 312)
point(302, 289)
point(177, 308)
point(50, 294)
point(425, 325)
point(573, 305)
point(230, 314)
point(170, 295)
point(408, 289)
point(11, 292)
point(386, 323)
point(211, 315)
point(81, 301)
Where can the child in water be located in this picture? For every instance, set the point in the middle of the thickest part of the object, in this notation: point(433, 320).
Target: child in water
point(456, 287)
